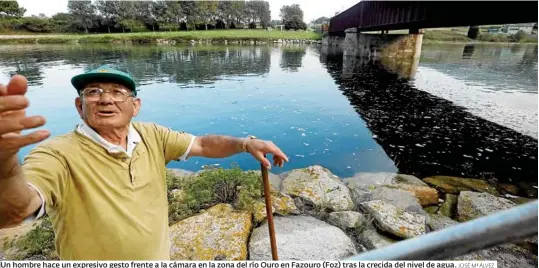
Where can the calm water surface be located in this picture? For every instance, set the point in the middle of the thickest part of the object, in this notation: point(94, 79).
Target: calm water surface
point(470, 111)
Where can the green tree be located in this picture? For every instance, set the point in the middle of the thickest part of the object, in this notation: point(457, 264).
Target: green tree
point(110, 11)
point(287, 12)
point(292, 17)
point(83, 13)
point(321, 20)
point(173, 12)
point(62, 22)
point(11, 9)
point(189, 9)
point(206, 12)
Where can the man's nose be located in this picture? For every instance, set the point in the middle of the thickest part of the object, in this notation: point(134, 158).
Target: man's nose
point(105, 98)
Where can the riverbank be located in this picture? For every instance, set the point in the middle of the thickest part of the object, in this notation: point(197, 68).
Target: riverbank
point(217, 36)
point(365, 212)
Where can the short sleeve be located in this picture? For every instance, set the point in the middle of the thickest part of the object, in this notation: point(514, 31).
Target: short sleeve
point(176, 144)
point(46, 171)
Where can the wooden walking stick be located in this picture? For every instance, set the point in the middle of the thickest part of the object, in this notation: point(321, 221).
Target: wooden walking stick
point(267, 195)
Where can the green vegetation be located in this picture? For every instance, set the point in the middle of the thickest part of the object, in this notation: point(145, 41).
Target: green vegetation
point(457, 35)
point(179, 37)
point(38, 243)
point(212, 186)
point(105, 16)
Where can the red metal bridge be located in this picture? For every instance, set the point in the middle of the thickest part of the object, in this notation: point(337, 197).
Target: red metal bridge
point(414, 15)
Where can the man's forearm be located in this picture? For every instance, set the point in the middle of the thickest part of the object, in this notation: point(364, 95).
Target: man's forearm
point(218, 146)
point(16, 196)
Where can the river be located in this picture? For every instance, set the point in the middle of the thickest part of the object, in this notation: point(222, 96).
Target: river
point(470, 110)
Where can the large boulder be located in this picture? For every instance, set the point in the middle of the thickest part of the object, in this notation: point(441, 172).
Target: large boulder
point(449, 206)
point(394, 220)
point(366, 179)
point(220, 233)
point(281, 204)
point(274, 180)
point(425, 195)
point(317, 185)
point(473, 205)
point(437, 222)
point(372, 239)
point(455, 185)
point(371, 180)
point(301, 238)
point(346, 219)
point(397, 197)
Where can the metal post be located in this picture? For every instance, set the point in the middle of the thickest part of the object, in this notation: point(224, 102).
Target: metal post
point(508, 226)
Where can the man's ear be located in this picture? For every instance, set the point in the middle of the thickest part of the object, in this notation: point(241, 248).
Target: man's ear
point(137, 103)
point(78, 104)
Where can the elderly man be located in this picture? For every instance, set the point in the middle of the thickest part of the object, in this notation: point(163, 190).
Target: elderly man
point(102, 184)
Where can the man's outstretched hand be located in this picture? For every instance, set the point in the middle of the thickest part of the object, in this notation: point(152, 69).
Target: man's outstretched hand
point(13, 121)
point(259, 148)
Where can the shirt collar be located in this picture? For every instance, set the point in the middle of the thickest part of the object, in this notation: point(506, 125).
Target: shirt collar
point(133, 137)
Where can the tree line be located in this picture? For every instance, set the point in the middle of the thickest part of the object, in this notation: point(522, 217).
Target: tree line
point(100, 16)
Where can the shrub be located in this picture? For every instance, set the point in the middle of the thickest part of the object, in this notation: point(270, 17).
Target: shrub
point(37, 243)
point(488, 37)
point(210, 187)
point(38, 25)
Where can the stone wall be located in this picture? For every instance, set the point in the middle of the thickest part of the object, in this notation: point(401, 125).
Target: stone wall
point(382, 45)
point(332, 41)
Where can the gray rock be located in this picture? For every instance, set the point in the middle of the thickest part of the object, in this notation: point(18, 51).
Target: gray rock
point(360, 195)
point(301, 238)
point(473, 205)
point(371, 239)
point(366, 179)
point(507, 256)
point(181, 172)
point(399, 198)
point(449, 206)
point(346, 219)
point(318, 186)
point(394, 220)
point(381, 178)
point(275, 180)
point(437, 222)
point(409, 179)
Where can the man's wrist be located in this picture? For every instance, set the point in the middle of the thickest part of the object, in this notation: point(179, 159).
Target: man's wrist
point(245, 141)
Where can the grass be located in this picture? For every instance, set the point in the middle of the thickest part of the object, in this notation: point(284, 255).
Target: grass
point(180, 36)
point(212, 186)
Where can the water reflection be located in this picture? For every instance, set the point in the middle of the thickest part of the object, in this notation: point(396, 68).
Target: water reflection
point(181, 65)
point(292, 58)
point(426, 135)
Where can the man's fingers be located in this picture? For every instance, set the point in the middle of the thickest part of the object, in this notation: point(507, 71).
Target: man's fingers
point(277, 152)
point(14, 142)
point(19, 124)
point(3, 90)
point(11, 103)
point(18, 85)
point(260, 157)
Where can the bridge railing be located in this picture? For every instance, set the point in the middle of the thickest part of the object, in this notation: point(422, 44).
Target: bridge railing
point(508, 226)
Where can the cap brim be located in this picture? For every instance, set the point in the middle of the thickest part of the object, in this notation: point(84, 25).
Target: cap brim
point(79, 81)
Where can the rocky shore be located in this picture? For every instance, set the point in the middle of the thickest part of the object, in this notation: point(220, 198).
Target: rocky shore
point(319, 216)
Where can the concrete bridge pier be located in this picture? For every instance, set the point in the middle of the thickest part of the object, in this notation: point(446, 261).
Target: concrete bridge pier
point(399, 53)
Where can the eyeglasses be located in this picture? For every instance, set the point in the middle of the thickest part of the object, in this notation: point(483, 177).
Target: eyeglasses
point(94, 94)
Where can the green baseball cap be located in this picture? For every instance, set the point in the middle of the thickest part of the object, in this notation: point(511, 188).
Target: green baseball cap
point(104, 73)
